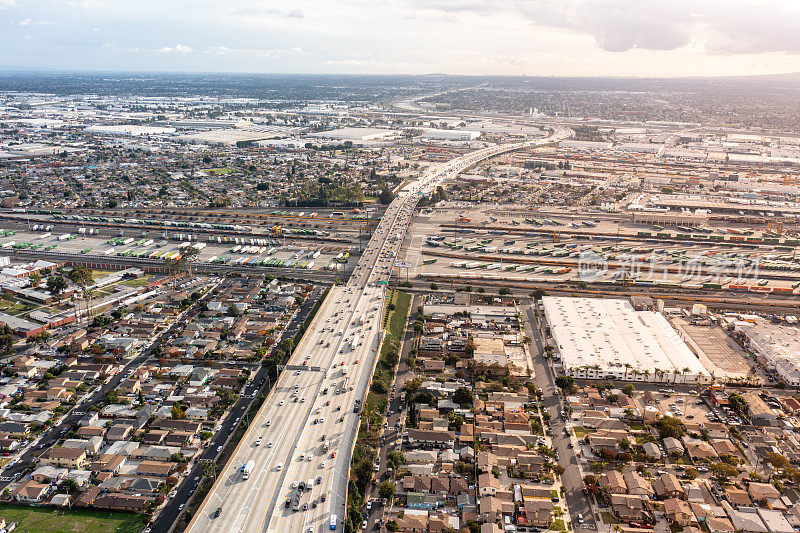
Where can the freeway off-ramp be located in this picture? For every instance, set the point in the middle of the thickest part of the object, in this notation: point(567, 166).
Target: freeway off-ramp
point(286, 432)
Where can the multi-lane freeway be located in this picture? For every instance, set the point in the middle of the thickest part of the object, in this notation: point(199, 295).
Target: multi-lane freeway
point(306, 427)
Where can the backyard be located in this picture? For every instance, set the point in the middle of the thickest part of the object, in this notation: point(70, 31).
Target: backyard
point(41, 520)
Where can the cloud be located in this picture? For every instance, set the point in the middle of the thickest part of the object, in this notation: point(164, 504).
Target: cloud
point(30, 22)
point(86, 3)
point(266, 13)
point(715, 26)
point(618, 25)
point(177, 49)
point(255, 52)
point(7, 3)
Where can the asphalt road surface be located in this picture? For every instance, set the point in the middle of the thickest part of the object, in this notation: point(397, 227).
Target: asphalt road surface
point(296, 429)
point(185, 489)
point(577, 502)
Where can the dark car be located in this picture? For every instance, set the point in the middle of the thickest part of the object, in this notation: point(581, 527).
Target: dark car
point(217, 512)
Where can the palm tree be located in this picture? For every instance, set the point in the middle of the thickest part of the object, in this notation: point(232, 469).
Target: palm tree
point(627, 366)
point(82, 277)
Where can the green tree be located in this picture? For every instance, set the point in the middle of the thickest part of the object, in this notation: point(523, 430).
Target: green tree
point(396, 458)
point(385, 196)
point(110, 396)
point(670, 427)
point(379, 387)
point(80, 276)
point(462, 396)
point(628, 389)
point(386, 490)
point(723, 471)
point(70, 486)
point(566, 384)
point(777, 460)
point(56, 285)
point(537, 294)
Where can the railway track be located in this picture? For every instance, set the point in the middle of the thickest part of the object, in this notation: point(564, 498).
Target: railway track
point(266, 233)
point(155, 265)
point(573, 263)
point(768, 303)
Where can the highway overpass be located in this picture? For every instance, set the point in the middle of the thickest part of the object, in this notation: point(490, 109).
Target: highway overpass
point(305, 430)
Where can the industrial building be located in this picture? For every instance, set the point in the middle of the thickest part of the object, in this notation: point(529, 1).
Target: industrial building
point(775, 346)
point(608, 339)
point(232, 136)
point(434, 134)
point(132, 130)
point(353, 134)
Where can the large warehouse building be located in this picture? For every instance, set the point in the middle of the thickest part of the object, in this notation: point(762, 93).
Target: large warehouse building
point(607, 339)
point(353, 134)
point(775, 346)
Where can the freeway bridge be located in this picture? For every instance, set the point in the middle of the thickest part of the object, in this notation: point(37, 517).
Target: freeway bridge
point(306, 429)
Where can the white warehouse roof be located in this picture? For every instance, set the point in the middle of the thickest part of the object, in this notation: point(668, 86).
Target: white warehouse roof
point(450, 135)
point(353, 134)
point(609, 333)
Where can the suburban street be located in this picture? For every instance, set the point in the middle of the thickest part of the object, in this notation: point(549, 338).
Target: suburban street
point(58, 430)
point(330, 346)
point(395, 422)
point(170, 512)
point(577, 502)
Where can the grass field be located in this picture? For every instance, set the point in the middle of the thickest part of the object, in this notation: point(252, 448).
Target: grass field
point(41, 520)
point(394, 334)
point(609, 518)
point(137, 282)
point(219, 171)
point(100, 273)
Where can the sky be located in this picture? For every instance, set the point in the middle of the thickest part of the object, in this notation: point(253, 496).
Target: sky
point(476, 37)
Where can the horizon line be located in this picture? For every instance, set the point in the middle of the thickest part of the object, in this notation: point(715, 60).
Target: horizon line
point(28, 70)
